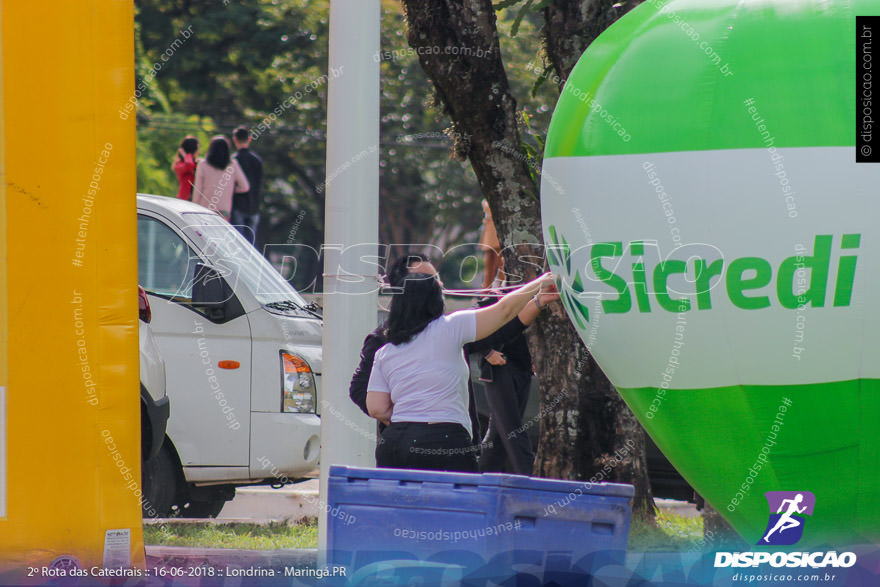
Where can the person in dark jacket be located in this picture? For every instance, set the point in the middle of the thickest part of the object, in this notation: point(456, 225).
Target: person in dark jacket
point(246, 206)
point(506, 370)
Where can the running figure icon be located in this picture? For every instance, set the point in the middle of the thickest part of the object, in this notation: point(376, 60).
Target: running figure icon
point(786, 521)
point(788, 511)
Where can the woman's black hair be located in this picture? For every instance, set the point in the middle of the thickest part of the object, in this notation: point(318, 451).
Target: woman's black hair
point(189, 144)
point(419, 304)
point(218, 152)
point(400, 268)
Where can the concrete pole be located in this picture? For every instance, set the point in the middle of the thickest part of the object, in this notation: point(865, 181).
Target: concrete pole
point(351, 232)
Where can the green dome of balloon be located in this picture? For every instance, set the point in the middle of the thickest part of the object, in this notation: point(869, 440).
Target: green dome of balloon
point(716, 242)
point(674, 75)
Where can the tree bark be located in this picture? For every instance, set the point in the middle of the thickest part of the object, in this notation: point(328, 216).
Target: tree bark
point(587, 432)
point(571, 25)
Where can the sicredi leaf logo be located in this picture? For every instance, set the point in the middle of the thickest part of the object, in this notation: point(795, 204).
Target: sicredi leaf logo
point(787, 511)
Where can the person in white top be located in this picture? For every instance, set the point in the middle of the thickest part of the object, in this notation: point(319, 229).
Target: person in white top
point(217, 177)
point(418, 384)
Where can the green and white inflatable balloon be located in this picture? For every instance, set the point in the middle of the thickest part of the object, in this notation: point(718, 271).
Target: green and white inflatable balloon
point(718, 248)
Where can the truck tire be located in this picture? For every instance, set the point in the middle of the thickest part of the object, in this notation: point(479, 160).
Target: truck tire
point(160, 484)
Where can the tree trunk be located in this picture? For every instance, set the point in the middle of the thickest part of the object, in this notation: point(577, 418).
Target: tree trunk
point(587, 432)
point(571, 25)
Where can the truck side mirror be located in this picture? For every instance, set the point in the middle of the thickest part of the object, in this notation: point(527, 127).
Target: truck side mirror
point(210, 292)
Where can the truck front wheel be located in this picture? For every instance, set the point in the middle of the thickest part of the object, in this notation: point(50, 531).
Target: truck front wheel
point(160, 484)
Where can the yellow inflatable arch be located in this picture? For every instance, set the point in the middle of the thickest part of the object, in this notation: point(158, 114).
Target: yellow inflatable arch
point(69, 404)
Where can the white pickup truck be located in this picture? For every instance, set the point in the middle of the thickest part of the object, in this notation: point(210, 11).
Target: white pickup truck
point(242, 353)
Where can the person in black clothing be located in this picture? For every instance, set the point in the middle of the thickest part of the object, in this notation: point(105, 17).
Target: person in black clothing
point(246, 206)
point(506, 370)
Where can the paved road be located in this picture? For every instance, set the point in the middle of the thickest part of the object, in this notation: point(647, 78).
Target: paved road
point(263, 503)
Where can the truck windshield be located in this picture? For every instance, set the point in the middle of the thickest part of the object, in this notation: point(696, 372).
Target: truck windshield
point(238, 261)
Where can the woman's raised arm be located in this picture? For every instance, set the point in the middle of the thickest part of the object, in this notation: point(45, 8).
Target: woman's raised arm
point(492, 318)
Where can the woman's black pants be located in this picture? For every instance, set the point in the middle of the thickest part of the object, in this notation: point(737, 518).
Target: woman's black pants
point(417, 445)
point(506, 447)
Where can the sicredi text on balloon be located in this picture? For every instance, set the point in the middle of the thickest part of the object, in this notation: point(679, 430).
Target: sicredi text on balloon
point(635, 278)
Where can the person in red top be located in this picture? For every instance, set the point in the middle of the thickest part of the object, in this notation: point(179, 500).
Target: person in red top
point(185, 166)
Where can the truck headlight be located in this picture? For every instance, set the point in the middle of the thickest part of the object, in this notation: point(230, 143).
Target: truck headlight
point(298, 385)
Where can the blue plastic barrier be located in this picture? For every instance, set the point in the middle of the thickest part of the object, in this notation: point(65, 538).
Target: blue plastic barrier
point(491, 525)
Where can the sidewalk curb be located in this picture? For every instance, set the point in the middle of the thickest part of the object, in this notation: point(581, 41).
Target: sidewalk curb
point(289, 520)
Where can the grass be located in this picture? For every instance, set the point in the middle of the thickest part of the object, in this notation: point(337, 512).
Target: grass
point(240, 536)
point(669, 531)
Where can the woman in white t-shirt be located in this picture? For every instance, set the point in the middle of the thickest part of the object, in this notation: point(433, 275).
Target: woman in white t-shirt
point(418, 385)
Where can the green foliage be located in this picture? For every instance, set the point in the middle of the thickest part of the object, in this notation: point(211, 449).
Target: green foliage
point(243, 60)
point(514, 29)
point(155, 157)
point(265, 61)
point(426, 196)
